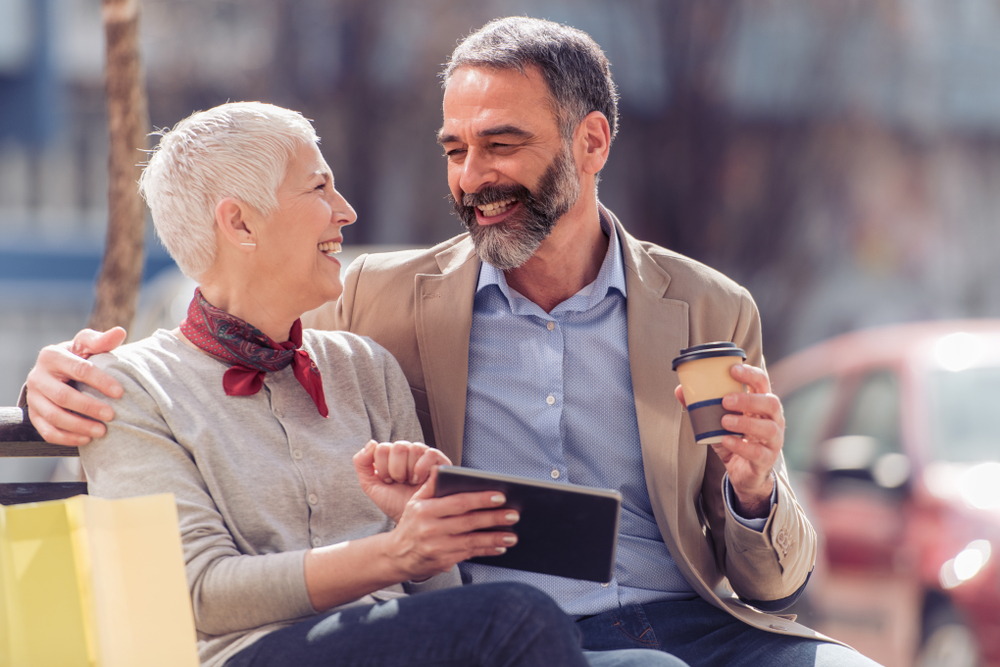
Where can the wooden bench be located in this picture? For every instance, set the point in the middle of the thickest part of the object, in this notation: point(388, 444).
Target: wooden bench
point(18, 438)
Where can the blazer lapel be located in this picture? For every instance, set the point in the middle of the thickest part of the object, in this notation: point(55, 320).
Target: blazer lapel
point(657, 329)
point(444, 322)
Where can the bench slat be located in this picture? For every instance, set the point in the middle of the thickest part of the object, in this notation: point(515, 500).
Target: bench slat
point(15, 427)
point(33, 449)
point(19, 438)
point(22, 492)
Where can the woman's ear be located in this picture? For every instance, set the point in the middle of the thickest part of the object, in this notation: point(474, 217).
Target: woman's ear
point(232, 222)
point(594, 140)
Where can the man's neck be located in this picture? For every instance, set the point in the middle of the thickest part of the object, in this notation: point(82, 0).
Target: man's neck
point(566, 262)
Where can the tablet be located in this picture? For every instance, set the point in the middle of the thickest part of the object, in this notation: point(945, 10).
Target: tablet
point(565, 529)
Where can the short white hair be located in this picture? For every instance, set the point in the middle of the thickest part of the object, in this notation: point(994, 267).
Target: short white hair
point(239, 150)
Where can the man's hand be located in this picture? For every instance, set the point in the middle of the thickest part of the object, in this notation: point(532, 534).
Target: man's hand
point(50, 398)
point(750, 459)
point(391, 472)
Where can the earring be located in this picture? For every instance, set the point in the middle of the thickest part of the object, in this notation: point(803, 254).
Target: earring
point(250, 244)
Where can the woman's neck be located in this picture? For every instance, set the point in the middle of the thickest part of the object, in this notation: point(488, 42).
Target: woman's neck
point(268, 315)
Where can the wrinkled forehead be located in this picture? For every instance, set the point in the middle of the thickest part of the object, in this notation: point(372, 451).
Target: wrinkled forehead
point(485, 97)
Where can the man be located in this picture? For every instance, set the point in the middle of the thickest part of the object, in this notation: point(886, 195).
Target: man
point(540, 344)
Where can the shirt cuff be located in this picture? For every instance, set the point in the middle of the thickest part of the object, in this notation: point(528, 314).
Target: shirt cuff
point(753, 524)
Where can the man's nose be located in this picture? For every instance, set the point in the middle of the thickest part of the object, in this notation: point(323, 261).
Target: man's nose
point(477, 171)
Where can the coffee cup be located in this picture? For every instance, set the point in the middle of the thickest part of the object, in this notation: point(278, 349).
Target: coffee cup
point(705, 378)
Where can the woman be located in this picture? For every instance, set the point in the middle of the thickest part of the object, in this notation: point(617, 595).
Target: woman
point(252, 423)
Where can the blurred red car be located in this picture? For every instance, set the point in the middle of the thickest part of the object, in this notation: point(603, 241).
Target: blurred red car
point(893, 443)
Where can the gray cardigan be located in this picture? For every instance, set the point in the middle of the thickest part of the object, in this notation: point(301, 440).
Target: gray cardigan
point(258, 479)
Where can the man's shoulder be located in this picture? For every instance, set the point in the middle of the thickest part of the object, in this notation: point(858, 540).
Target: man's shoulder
point(420, 260)
point(686, 276)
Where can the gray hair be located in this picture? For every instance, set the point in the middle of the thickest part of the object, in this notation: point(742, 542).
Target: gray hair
point(575, 69)
point(239, 150)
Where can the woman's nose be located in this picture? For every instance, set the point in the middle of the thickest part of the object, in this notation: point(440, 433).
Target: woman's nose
point(343, 212)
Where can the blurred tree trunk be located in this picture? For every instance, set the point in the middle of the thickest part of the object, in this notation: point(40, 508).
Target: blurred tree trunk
point(117, 287)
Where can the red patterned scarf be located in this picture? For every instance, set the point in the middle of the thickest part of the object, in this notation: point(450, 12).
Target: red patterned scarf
point(253, 353)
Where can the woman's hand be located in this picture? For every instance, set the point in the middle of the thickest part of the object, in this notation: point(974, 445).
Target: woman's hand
point(391, 472)
point(433, 534)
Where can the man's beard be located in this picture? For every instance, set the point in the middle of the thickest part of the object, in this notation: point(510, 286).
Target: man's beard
point(509, 244)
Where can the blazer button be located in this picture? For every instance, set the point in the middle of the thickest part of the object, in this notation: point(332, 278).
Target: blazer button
point(783, 541)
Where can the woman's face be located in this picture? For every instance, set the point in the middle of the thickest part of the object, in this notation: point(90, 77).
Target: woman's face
point(298, 241)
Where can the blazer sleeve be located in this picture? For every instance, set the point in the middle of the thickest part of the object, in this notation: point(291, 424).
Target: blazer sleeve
point(774, 563)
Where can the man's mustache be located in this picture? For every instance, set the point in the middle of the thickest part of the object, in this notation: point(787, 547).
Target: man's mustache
point(496, 193)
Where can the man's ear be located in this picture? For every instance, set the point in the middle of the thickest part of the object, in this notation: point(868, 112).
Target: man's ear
point(232, 222)
point(593, 137)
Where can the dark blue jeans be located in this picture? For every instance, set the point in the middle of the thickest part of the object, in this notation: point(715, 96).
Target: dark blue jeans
point(492, 625)
point(704, 636)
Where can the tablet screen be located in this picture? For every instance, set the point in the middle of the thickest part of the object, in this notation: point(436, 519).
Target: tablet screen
point(565, 529)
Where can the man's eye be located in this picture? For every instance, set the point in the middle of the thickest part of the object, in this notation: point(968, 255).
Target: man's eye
point(454, 153)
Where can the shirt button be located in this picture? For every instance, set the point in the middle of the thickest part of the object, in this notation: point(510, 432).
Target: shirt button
point(313, 499)
point(550, 326)
point(296, 453)
point(554, 473)
point(605, 585)
point(551, 399)
point(317, 542)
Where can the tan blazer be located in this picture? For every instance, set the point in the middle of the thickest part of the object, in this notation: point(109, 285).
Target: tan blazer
point(418, 304)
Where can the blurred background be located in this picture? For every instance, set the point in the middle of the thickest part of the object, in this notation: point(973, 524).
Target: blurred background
point(839, 158)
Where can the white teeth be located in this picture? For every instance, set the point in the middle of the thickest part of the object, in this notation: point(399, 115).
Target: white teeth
point(329, 247)
point(496, 208)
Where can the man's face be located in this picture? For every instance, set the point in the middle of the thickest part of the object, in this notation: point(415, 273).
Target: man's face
point(511, 174)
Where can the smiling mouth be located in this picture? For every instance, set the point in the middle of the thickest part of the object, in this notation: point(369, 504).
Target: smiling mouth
point(329, 248)
point(496, 208)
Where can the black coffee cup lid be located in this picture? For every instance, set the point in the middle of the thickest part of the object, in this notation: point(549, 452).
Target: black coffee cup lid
point(708, 350)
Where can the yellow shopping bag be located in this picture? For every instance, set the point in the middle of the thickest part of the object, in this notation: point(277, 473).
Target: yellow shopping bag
point(94, 582)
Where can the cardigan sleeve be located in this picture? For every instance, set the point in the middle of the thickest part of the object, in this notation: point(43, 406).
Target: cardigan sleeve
point(230, 591)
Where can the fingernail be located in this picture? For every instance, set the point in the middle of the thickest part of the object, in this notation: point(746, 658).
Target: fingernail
point(509, 540)
point(107, 414)
point(501, 550)
point(728, 421)
point(498, 499)
point(96, 431)
point(413, 480)
point(511, 516)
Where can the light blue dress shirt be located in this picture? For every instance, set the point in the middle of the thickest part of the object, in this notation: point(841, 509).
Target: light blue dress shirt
point(570, 419)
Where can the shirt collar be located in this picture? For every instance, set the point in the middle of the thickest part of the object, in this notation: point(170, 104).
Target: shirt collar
point(611, 276)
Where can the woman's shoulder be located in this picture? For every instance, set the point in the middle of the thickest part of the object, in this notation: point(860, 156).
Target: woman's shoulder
point(342, 344)
point(161, 353)
point(159, 344)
